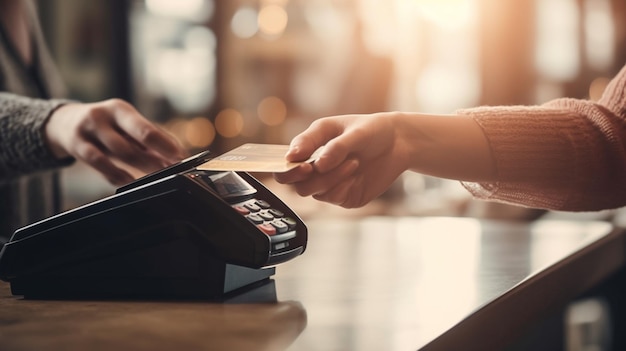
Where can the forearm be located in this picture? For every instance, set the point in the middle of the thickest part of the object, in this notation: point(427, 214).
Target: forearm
point(447, 146)
point(23, 147)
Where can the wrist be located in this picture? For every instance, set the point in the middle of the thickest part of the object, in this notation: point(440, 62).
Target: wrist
point(410, 138)
point(446, 146)
point(52, 130)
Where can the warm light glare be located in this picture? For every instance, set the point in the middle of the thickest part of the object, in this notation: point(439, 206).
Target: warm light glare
point(186, 76)
point(199, 132)
point(558, 39)
point(229, 123)
point(599, 34)
point(446, 13)
point(198, 10)
point(273, 20)
point(272, 111)
point(553, 239)
point(438, 295)
point(441, 88)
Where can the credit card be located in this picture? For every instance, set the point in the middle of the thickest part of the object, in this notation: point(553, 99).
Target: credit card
point(254, 158)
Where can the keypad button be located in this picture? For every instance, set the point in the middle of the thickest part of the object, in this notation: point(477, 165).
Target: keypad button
point(252, 207)
point(280, 226)
point(266, 215)
point(267, 228)
point(270, 221)
point(263, 204)
point(242, 210)
point(275, 212)
point(256, 219)
point(291, 223)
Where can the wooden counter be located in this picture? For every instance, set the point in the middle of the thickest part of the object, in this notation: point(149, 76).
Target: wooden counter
point(378, 283)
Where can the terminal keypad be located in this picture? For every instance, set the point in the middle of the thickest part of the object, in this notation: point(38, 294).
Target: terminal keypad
point(268, 220)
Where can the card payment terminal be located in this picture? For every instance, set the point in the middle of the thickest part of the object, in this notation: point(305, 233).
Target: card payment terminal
point(179, 232)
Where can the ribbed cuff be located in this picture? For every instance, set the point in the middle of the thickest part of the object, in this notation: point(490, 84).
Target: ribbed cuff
point(24, 149)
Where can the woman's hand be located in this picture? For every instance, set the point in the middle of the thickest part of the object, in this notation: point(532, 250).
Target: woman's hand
point(362, 156)
point(105, 133)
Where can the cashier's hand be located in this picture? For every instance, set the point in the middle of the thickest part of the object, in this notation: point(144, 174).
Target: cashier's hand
point(108, 134)
point(362, 156)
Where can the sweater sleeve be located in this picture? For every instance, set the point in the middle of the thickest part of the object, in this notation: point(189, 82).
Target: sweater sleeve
point(22, 145)
point(567, 154)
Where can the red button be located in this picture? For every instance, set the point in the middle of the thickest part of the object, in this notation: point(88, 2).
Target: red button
point(267, 228)
point(244, 211)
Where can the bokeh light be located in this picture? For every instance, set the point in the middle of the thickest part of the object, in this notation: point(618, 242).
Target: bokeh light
point(273, 20)
point(199, 132)
point(229, 123)
point(244, 22)
point(272, 111)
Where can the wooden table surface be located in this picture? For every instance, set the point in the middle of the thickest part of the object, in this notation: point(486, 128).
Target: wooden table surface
point(378, 283)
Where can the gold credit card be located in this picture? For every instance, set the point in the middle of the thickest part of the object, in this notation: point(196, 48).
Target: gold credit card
point(254, 158)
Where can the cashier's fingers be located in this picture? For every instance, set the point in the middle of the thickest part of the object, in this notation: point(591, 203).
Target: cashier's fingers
point(120, 147)
point(146, 135)
point(95, 158)
point(102, 133)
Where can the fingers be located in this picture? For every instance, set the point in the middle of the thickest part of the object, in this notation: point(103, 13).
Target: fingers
point(143, 133)
point(108, 133)
point(335, 187)
point(319, 132)
point(92, 156)
point(343, 194)
point(341, 136)
point(334, 154)
point(316, 136)
point(361, 156)
point(129, 152)
point(109, 126)
point(298, 174)
point(323, 183)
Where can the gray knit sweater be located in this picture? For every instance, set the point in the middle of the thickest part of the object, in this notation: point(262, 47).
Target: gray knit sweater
point(28, 95)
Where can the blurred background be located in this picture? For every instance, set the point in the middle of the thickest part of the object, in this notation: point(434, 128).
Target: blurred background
point(219, 73)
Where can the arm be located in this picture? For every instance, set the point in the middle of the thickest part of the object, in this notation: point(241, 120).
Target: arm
point(38, 134)
point(565, 155)
point(364, 154)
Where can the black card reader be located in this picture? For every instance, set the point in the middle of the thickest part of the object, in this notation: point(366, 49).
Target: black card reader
point(179, 232)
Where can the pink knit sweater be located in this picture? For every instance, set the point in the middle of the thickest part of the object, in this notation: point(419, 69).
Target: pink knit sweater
point(566, 155)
